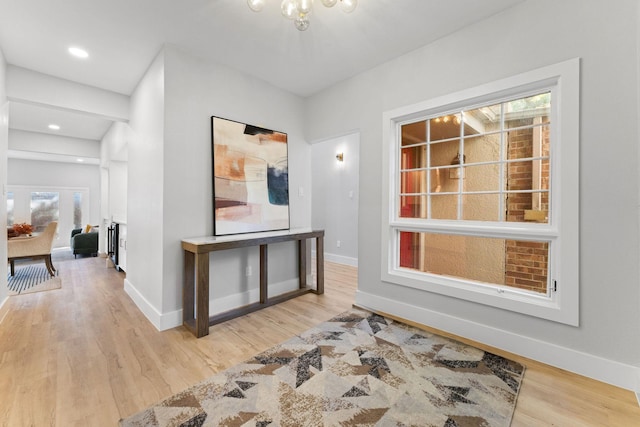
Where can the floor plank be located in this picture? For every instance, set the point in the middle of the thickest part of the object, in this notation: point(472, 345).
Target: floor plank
point(84, 355)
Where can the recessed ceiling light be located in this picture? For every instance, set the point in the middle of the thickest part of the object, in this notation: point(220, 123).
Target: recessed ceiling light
point(54, 127)
point(80, 160)
point(79, 53)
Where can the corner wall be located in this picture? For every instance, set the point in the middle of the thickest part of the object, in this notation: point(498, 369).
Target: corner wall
point(145, 192)
point(606, 345)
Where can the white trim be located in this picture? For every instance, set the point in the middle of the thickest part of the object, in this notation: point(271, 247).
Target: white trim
point(338, 259)
point(162, 321)
point(588, 365)
point(171, 320)
point(149, 311)
point(637, 391)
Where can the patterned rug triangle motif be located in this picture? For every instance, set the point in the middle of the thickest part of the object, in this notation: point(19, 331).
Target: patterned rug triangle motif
point(459, 364)
point(355, 392)
point(459, 394)
point(310, 358)
point(367, 417)
point(239, 419)
point(245, 385)
point(334, 336)
point(374, 321)
point(507, 371)
point(377, 366)
point(462, 421)
point(179, 416)
point(184, 400)
point(417, 337)
point(364, 385)
point(235, 393)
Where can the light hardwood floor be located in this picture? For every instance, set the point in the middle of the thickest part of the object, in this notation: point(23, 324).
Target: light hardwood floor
point(85, 356)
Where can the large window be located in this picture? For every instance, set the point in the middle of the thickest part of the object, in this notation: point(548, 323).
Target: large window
point(475, 181)
point(487, 163)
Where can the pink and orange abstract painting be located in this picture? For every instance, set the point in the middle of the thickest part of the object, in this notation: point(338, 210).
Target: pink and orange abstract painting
point(250, 178)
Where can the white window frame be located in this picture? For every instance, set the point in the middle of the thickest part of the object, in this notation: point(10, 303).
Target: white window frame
point(561, 303)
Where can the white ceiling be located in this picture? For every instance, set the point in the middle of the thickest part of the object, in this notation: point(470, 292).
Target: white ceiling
point(123, 36)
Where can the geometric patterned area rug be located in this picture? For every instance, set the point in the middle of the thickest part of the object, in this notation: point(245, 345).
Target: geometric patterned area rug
point(357, 369)
point(32, 278)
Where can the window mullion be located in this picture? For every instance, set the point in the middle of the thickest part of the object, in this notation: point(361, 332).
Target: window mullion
point(501, 179)
point(429, 168)
point(461, 157)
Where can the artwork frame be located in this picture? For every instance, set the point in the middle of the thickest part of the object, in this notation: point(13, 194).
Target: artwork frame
point(250, 175)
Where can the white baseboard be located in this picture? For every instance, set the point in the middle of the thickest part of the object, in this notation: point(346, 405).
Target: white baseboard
point(338, 259)
point(588, 365)
point(161, 321)
point(638, 385)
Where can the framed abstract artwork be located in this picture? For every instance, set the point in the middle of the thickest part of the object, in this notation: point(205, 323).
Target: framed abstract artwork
point(250, 178)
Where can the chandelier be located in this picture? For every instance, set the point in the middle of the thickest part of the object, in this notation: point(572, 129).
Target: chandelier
point(299, 10)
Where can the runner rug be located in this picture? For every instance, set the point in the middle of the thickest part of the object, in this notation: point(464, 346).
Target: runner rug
point(31, 278)
point(357, 369)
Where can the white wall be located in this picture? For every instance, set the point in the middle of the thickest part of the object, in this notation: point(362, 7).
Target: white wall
point(145, 188)
point(170, 181)
point(4, 144)
point(118, 178)
point(335, 196)
point(525, 37)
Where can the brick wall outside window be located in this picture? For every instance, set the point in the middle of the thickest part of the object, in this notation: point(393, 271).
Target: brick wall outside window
point(526, 263)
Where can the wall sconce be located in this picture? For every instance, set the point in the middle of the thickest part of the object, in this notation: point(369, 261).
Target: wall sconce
point(340, 157)
point(457, 172)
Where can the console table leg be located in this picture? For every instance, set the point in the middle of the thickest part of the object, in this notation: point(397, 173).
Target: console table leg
point(202, 294)
point(188, 288)
point(263, 274)
point(302, 262)
point(320, 265)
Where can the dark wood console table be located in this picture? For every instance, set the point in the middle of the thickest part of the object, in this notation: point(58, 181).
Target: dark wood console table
point(195, 291)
